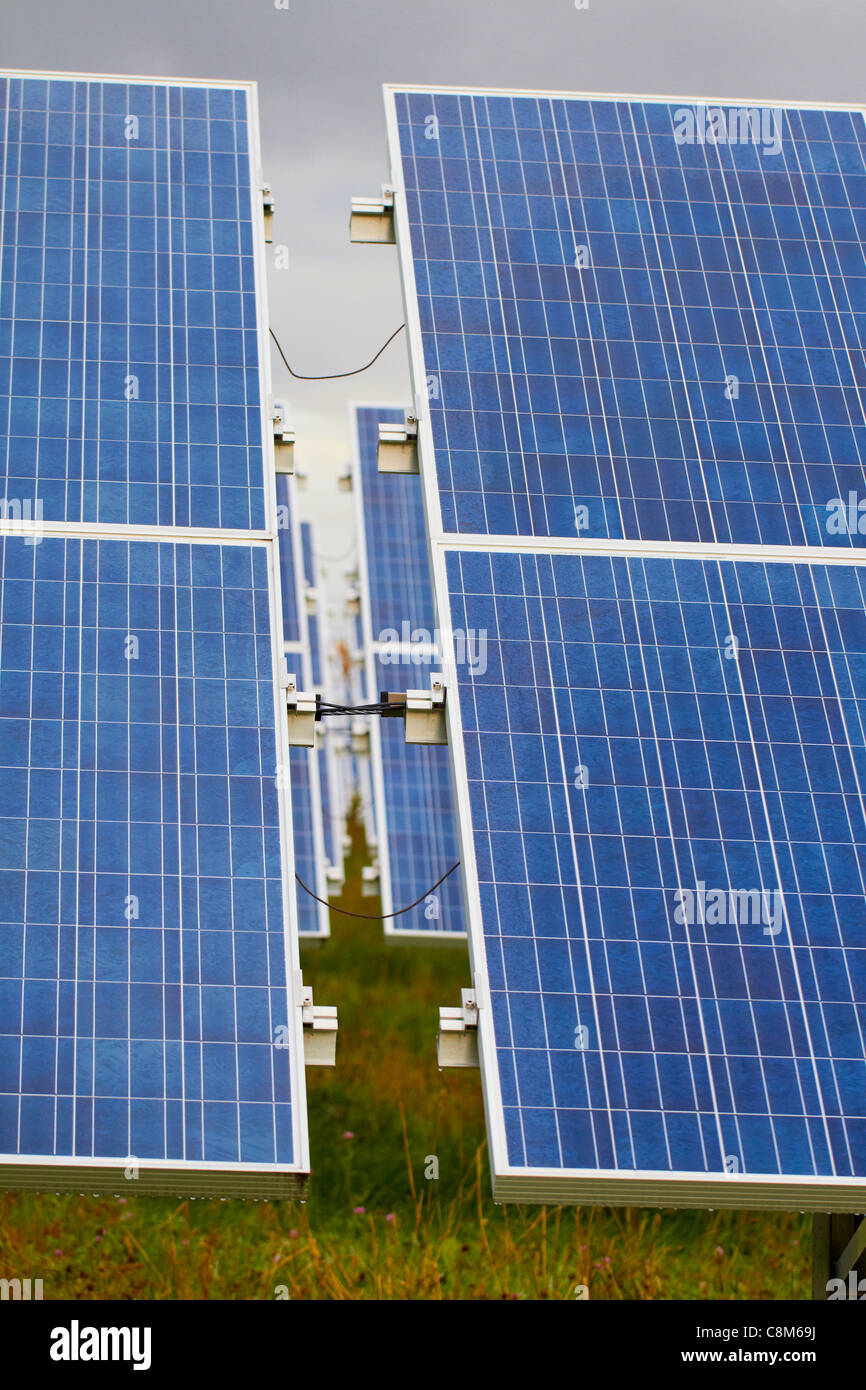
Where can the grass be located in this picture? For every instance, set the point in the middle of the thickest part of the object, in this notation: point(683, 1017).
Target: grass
point(374, 1225)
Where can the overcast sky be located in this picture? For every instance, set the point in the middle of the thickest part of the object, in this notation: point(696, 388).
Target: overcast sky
point(320, 65)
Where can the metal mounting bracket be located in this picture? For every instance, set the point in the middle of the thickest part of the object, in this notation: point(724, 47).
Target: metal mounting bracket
point(353, 601)
point(302, 706)
point(360, 736)
point(268, 206)
point(284, 441)
point(398, 447)
point(370, 880)
point(423, 711)
point(457, 1041)
point(372, 219)
point(320, 1030)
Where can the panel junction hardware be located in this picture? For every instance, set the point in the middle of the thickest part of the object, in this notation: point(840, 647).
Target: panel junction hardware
point(398, 447)
point(268, 206)
point(284, 441)
point(425, 713)
point(457, 1041)
point(360, 736)
point(370, 880)
point(372, 219)
point(320, 1030)
point(353, 601)
point(302, 707)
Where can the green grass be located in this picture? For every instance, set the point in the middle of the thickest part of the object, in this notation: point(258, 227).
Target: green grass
point(416, 1238)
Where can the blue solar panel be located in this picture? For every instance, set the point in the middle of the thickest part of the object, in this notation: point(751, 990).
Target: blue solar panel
point(333, 813)
point(149, 1026)
point(418, 813)
point(411, 784)
point(129, 347)
point(626, 335)
point(142, 944)
point(398, 570)
point(304, 763)
point(619, 765)
point(635, 347)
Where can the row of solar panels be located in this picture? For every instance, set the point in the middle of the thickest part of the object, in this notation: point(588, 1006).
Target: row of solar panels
point(636, 334)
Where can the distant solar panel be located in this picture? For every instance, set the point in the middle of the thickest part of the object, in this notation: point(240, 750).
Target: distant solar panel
point(411, 784)
point(637, 355)
point(333, 814)
point(149, 1025)
point(307, 818)
point(399, 587)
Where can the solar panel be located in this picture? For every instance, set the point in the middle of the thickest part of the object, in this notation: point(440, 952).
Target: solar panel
point(149, 1028)
point(627, 335)
point(132, 389)
point(307, 821)
point(637, 356)
point(411, 784)
point(333, 813)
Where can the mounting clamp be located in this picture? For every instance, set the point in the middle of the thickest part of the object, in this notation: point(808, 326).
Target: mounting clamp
point(268, 206)
point(422, 710)
point(284, 441)
point(370, 880)
point(398, 447)
point(353, 601)
point(457, 1042)
point(360, 736)
point(372, 219)
point(320, 1030)
point(302, 707)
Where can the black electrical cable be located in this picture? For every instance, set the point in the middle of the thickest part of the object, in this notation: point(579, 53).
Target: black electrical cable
point(377, 916)
point(334, 376)
point(324, 707)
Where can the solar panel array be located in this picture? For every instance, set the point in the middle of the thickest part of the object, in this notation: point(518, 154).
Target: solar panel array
point(411, 784)
point(638, 352)
point(148, 1026)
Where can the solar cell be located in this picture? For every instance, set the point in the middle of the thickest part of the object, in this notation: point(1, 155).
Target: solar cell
point(637, 355)
point(411, 785)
